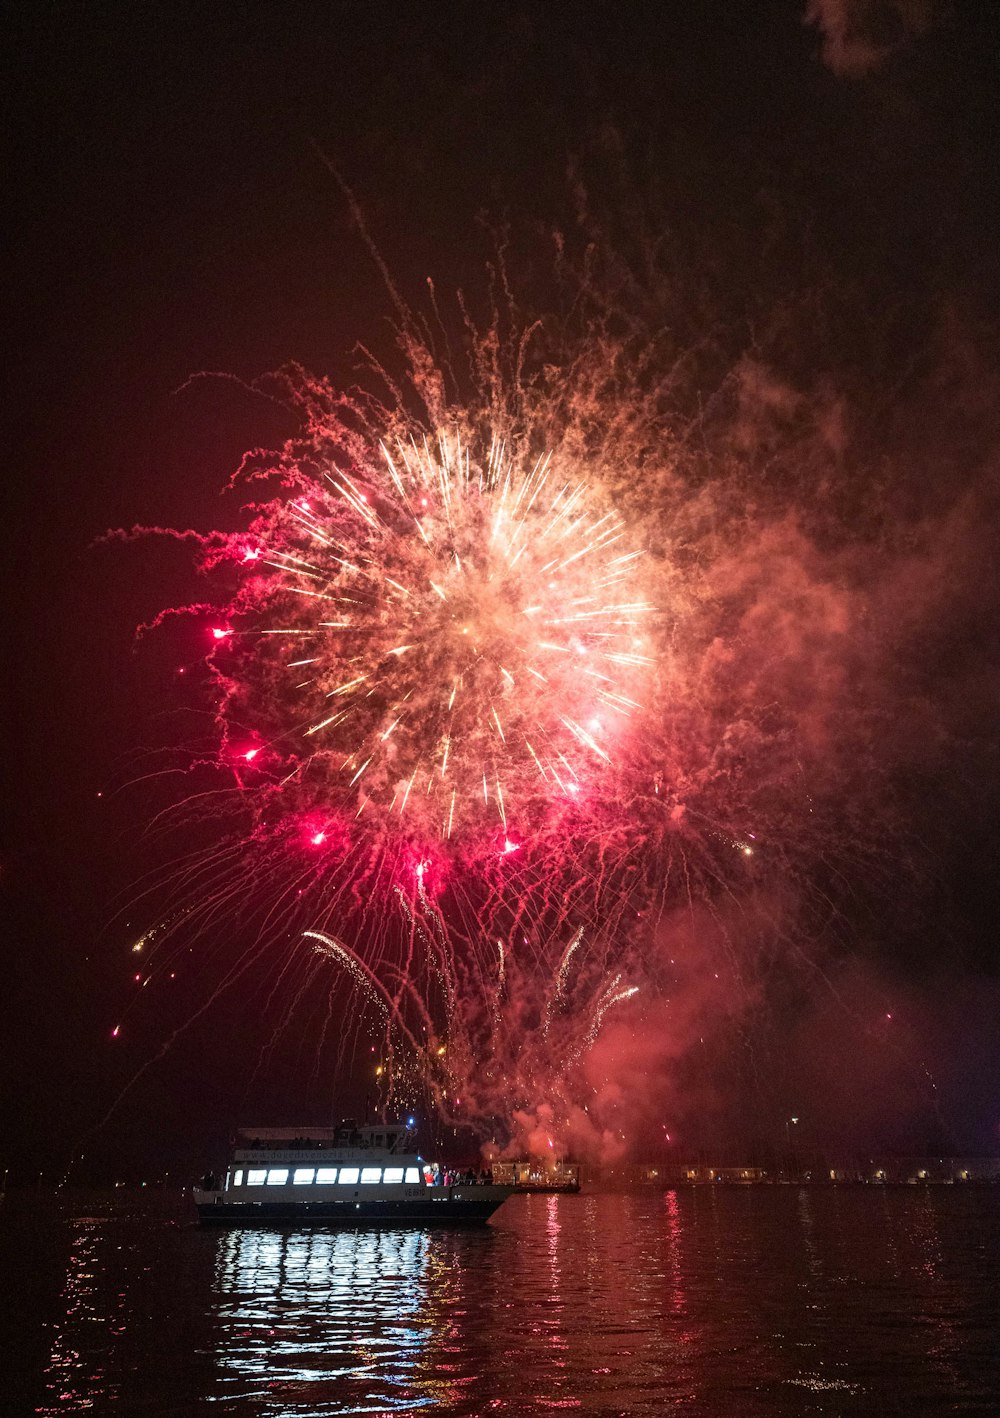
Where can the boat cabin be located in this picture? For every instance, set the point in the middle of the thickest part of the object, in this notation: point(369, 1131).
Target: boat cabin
point(346, 1136)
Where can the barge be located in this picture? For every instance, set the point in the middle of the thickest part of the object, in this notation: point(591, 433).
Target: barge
point(533, 1176)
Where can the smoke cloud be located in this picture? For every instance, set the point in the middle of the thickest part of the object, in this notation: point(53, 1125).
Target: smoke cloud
point(859, 36)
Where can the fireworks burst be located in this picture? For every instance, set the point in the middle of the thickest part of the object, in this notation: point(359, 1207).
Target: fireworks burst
point(504, 687)
point(457, 643)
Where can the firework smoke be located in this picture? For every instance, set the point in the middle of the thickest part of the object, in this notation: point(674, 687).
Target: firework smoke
point(536, 681)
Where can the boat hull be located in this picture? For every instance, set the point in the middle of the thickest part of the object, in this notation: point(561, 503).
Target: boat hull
point(472, 1207)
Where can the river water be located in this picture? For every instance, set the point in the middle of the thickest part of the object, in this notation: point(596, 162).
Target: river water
point(703, 1301)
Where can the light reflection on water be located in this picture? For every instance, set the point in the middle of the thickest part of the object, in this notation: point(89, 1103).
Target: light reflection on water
point(770, 1301)
point(304, 1315)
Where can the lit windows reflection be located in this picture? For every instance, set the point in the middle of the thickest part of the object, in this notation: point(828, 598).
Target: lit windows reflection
point(300, 1310)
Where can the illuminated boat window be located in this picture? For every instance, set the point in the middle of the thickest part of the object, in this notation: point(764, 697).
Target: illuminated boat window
point(302, 1176)
point(348, 1175)
point(277, 1176)
point(255, 1177)
point(393, 1174)
point(238, 1178)
point(371, 1174)
point(413, 1174)
point(325, 1175)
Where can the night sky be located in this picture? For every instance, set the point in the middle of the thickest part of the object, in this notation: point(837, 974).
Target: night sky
point(172, 213)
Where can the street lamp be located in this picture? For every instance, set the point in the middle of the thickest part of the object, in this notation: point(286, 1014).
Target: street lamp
point(789, 1124)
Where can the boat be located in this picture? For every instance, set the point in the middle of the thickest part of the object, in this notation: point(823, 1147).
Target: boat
point(342, 1176)
point(530, 1176)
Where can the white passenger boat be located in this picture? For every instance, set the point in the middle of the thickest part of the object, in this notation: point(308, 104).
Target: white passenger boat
point(343, 1176)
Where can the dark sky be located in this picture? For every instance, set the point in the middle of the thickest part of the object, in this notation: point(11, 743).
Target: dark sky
point(170, 214)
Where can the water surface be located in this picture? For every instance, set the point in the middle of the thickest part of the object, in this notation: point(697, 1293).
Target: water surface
point(712, 1301)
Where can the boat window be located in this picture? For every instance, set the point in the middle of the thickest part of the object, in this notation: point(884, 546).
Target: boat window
point(348, 1175)
point(324, 1175)
point(371, 1174)
point(277, 1176)
point(413, 1174)
point(302, 1176)
point(255, 1177)
point(393, 1174)
point(238, 1178)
